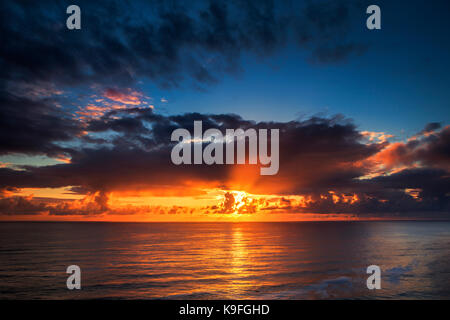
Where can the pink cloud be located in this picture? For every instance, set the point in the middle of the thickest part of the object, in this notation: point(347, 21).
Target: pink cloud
point(127, 96)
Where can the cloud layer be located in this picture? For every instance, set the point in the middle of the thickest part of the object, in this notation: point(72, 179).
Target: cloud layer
point(328, 163)
point(70, 95)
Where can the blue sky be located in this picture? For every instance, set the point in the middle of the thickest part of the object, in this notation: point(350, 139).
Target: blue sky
point(400, 82)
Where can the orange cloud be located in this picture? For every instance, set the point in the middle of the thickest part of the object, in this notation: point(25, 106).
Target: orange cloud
point(373, 136)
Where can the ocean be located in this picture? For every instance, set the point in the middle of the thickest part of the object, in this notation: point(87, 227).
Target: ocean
point(294, 260)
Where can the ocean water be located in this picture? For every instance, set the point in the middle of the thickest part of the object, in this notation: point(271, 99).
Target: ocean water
point(305, 260)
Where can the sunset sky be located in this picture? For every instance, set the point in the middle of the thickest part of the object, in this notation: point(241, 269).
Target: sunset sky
point(86, 115)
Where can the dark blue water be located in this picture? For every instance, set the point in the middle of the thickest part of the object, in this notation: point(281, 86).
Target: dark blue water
point(307, 260)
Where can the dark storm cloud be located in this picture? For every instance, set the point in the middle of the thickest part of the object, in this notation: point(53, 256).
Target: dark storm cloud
point(20, 205)
point(316, 156)
point(386, 195)
point(326, 143)
point(33, 125)
point(324, 27)
point(431, 127)
point(436, 149)
point(430, 147)
point(121, 42)
point(163, 41)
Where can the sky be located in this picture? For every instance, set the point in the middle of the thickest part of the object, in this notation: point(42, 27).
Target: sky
point(86, 115)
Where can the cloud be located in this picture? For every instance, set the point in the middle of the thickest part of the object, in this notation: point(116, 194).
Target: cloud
point(93, 204)
point(431, 127)
point(20, 206)
point(127, 96)
point(326, 166)
point(169, 43)
point(33, 126)
point(45, 73)
point(430, 148)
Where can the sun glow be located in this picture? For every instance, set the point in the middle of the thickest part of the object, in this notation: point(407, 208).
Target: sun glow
point(240, 200)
